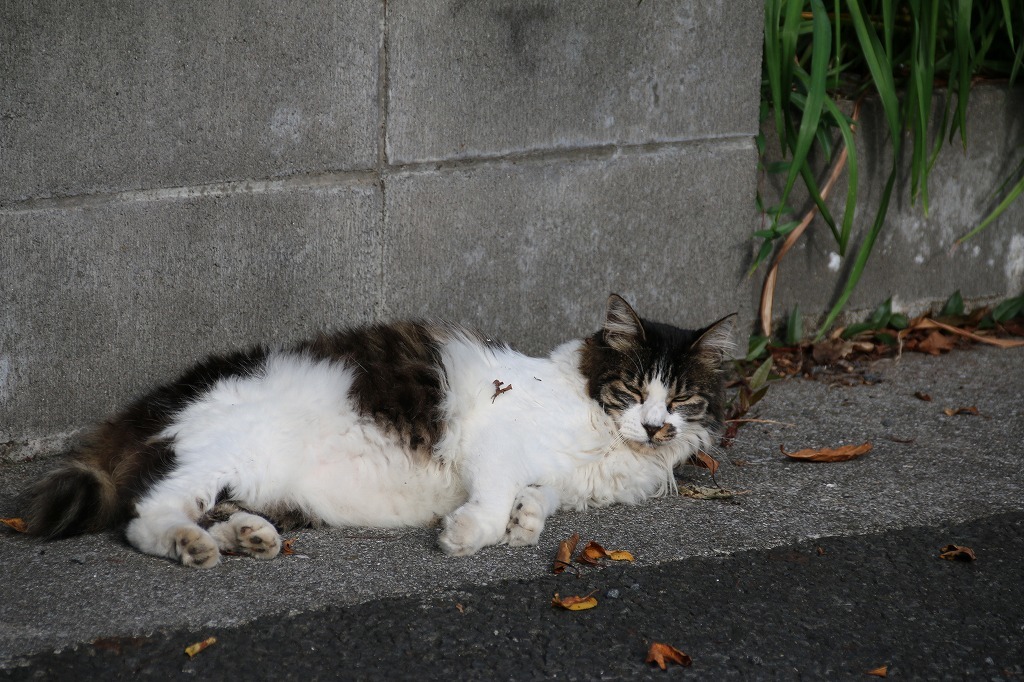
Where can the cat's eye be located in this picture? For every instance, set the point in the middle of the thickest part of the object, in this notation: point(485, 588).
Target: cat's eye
point(687, 401)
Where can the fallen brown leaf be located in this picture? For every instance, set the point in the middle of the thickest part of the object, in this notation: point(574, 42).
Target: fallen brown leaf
point(592, 552)
point(288, 547)
point(830, 351)
point(663, 654)
point(921, 395)
point(952, 412)
point(840, 454)
point(1014, 327)
point(565, 550)
point(701, 492)
point(574, 603)
point(194, 649)
point(460, 608)
point(936, 343)
point(957, 553)
point(880, 671)
point(15, 524)
point(702, 459)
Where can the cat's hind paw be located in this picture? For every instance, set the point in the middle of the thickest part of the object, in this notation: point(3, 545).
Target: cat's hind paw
point(195, 547)
point(527, 519)
point(249, 534)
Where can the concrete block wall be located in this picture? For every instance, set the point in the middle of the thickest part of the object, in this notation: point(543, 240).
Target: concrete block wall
point(181, 178)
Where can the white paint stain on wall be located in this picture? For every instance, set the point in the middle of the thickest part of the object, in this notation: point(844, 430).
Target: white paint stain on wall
point(1015, 264)
point(834, 261)
point(286, 124)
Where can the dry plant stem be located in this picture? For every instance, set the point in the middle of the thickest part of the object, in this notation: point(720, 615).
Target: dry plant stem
point(757, 421)
point(926, 323)
point(768, 289)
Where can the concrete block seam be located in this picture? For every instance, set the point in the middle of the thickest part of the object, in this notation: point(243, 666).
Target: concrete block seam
point(368, 178)
point(604, 152)
point(316, 181)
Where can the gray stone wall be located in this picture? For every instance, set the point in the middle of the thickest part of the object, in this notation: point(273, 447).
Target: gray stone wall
point(180, 178)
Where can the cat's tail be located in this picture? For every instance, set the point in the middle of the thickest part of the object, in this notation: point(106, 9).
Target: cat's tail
point(97, 486)
point(78, 497)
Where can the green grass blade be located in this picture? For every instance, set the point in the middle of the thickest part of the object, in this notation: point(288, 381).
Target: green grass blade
point(846, 131)
point(964, 66)
point(773, 65)
point(862, 256)
point(821, 52)
point(1017, 190)
point(1009, 23)
point(880, 68)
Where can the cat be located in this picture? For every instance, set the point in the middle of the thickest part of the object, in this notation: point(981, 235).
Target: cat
point(394, 425)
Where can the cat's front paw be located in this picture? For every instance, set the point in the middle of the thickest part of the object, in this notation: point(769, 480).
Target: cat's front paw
point(463, 534)
point(527, 519)
point(195, 547)
point(247, 533)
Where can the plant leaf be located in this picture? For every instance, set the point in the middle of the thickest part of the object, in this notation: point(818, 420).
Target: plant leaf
point(564, 555)
point(17, 524)
point(840, 454)
point(194, 649)
point(663, 654)
point(574, 603)
point(954, 306)
point(957, 553)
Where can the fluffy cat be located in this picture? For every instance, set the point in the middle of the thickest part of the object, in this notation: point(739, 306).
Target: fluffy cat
point(394, 425)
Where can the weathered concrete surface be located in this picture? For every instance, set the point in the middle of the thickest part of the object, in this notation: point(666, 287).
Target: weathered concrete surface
point(915, 259)
point(106, 97)
point(178, 178)
point(539, 245)
point(925, 469)
point(471, 79)
point(103, 301)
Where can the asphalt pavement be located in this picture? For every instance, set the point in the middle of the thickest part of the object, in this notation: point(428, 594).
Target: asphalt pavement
point(812, 570)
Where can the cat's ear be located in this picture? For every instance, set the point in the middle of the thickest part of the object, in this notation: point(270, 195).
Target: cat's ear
point(622, 326)
point(716, 342)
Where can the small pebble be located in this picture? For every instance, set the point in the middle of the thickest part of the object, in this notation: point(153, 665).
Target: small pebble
point(612, 594)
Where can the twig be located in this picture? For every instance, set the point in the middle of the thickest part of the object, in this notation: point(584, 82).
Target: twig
point(768, 289)
point(498, 390)
point(758, 421)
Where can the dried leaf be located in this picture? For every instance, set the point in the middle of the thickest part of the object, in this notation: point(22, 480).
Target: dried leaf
point(574, 603)
point(880, 671)
point(830, 351)
point(957, 553)
point(194, 649)
point(700, 492)
point(288, 547)
point(663, 654)
point(840, 454)
point(921, 395)
point(620, 555)
point(15, 524)
point(460, 608)
point(702, 459)
point(565, 550)
point(952, 412)
point(592, 552)
point(936, 343)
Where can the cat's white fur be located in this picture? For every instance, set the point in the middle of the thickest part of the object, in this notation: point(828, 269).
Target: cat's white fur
point(290, 437)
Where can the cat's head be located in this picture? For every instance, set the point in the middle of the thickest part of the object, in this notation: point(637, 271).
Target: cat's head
point(661, 385)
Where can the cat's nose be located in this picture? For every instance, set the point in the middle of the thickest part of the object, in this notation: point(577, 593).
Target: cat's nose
point(652, 429)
